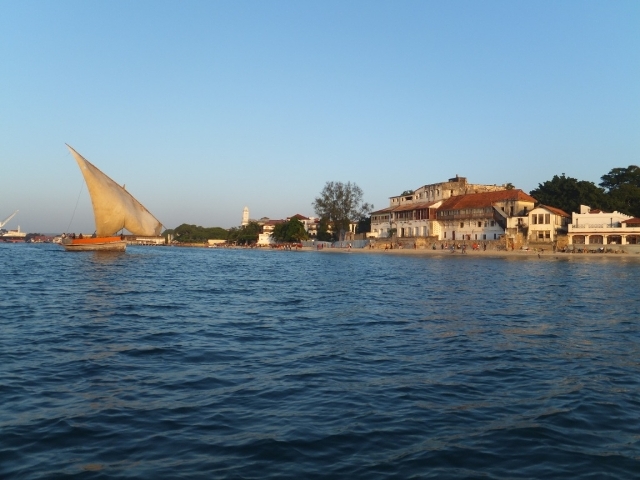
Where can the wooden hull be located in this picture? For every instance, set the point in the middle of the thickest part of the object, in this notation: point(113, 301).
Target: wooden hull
point(92, 244)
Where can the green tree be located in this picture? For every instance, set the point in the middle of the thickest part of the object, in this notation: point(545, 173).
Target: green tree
point(340, 204)
point(623, 189)
point(186, 233)
point(364, 225)
point(245, 235)
point(569, 193)
point(324, 235)
point(291, 231)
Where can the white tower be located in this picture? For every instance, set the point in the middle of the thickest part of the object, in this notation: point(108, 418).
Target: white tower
point(245, 216)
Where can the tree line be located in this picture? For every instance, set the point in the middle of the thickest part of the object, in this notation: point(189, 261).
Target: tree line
point(337, 206)
point(618, 190)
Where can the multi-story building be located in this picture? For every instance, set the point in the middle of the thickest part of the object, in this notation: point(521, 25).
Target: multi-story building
point(546, 223)
point(598, 228)
point(310, 224)
point(268, 226)
point(484, 216)
point(413, 214)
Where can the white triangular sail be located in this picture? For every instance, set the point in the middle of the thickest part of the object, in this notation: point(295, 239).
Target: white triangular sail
point(113, 207)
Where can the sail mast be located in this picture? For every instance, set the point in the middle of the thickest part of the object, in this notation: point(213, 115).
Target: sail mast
point(113, 207)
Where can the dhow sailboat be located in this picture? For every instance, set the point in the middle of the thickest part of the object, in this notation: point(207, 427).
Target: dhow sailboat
point(113, 209)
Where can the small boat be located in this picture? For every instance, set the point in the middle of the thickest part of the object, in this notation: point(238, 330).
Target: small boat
point(113, 209)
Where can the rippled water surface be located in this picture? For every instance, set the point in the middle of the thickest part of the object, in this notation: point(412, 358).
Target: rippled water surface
point(204, 363)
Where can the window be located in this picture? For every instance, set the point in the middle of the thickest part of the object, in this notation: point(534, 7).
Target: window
point(480, 224)
point(495, 236)
point(476, 236)
point(486, 223)
point(547, 234)
point(461, 224)
point(493, 224)
point(445, 234)
point(534, 219)
point(547, 218)
point(484, 236)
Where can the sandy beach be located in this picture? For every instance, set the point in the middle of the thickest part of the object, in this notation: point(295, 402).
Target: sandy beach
point(515, 254)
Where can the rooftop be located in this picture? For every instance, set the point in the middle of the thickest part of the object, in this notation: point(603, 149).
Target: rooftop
point(485, 199)
point(557, 211)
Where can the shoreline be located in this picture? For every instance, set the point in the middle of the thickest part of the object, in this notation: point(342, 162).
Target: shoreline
point(423, 252)
point(524, 254)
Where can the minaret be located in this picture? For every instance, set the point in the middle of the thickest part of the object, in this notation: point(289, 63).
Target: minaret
point(245, 216)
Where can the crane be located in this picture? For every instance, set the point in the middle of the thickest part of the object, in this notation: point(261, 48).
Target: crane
point(2, 224)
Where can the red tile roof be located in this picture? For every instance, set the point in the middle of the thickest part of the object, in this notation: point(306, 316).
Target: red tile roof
point(484, 199)
point(384, 210)
point(555, 210)
point(632, 221)
point(413, 206)
point(405, 208)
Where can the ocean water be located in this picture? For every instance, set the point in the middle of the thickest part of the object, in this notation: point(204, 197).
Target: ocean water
point(205, 363)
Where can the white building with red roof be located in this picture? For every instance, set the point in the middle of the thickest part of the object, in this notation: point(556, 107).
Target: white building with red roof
point(546, 223)
point(484, 215)
point(413, 214)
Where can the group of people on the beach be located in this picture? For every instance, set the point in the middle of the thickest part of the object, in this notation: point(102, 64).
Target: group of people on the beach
point(456, 246)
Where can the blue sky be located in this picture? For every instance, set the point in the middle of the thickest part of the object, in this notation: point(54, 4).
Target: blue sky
point(201, 108)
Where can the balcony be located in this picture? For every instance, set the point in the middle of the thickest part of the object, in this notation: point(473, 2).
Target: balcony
point(467, 216)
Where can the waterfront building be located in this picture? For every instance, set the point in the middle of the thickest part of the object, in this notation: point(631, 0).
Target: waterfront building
point(264, 238)
point(310, 223)
point(485, 215)
point(545, 223)
point(413, 214)
point(597, 228)
point(268, 225)
point(381, 223)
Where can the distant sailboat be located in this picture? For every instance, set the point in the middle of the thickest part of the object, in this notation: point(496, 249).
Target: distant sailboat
point(113, 209)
